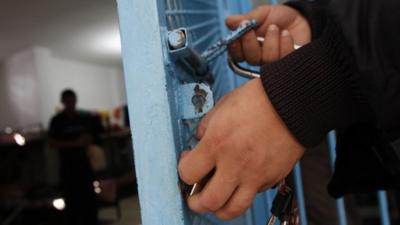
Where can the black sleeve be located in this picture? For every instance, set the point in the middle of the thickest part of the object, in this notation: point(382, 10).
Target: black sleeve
point(315, 88)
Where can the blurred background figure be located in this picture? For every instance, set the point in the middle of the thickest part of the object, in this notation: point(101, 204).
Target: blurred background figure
point(47, 47)
point(72, 132)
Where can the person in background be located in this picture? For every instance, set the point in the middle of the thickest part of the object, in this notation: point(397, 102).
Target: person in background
point(72, 132)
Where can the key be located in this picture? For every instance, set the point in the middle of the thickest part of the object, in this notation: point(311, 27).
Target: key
point(189, 190)
point(222, 45)
point(282, 205)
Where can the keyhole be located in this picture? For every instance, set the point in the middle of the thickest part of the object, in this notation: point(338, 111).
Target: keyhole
point(199, 99)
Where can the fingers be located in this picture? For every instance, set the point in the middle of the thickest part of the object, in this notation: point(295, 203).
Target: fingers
point(271, 49)
point(215, 194)
point(287, 44)
point(236, 51)
point(251, 48)
point(248, 48)
point(232, 22)
point(276, 46)
point(238, 204)
point(196, 164)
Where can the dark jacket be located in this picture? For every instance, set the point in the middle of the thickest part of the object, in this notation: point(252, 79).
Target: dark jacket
point(347, 79)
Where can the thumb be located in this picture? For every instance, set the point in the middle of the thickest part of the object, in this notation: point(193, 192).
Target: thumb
point(233, 22)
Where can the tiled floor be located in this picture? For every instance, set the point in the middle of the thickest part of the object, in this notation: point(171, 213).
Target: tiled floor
point(130, 211)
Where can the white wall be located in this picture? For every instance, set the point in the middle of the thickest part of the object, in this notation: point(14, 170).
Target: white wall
point(35, 79)
point(19, 90)
point(98, 87)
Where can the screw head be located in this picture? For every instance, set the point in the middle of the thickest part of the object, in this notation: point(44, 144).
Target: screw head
point(176, 39)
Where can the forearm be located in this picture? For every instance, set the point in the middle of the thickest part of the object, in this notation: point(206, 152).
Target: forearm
point(314, 89)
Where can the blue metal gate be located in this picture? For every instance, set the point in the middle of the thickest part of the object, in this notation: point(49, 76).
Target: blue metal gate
point(158, 92)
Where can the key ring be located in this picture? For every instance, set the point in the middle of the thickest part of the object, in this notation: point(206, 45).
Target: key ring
point(241, 71)
point(244, 72)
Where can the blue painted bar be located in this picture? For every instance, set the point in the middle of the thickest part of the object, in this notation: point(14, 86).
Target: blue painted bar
point(383, 208)
point(151, 112)
point(300, 194)
point(340, 207)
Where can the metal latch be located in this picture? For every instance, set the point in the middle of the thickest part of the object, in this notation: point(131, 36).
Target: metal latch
point(179, 48)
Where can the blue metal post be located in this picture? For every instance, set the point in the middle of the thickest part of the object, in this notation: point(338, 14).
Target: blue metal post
point(150, 112)
point(383, 208)
point(339, 202)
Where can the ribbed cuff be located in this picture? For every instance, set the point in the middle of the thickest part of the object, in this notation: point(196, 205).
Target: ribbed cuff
point(313, 89)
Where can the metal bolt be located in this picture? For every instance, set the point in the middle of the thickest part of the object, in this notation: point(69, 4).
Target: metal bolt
point(176, 39)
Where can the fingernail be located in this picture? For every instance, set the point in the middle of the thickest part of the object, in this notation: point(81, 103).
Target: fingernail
point(285, 33)
point(272, 27)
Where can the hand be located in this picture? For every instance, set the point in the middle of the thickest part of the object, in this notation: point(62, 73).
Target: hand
point(274, 23)
point(248, 145)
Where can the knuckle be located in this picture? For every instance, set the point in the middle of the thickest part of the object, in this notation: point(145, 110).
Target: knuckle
point(195, 205)
point(211, 201)
point(254, 61)
point(230, 213)
point(237, 55)
point(235, 210)
point(269, 58)
point(248, 37)
point(245, 203)
point(215, 142)
point(238, 58)
point(184, 175)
